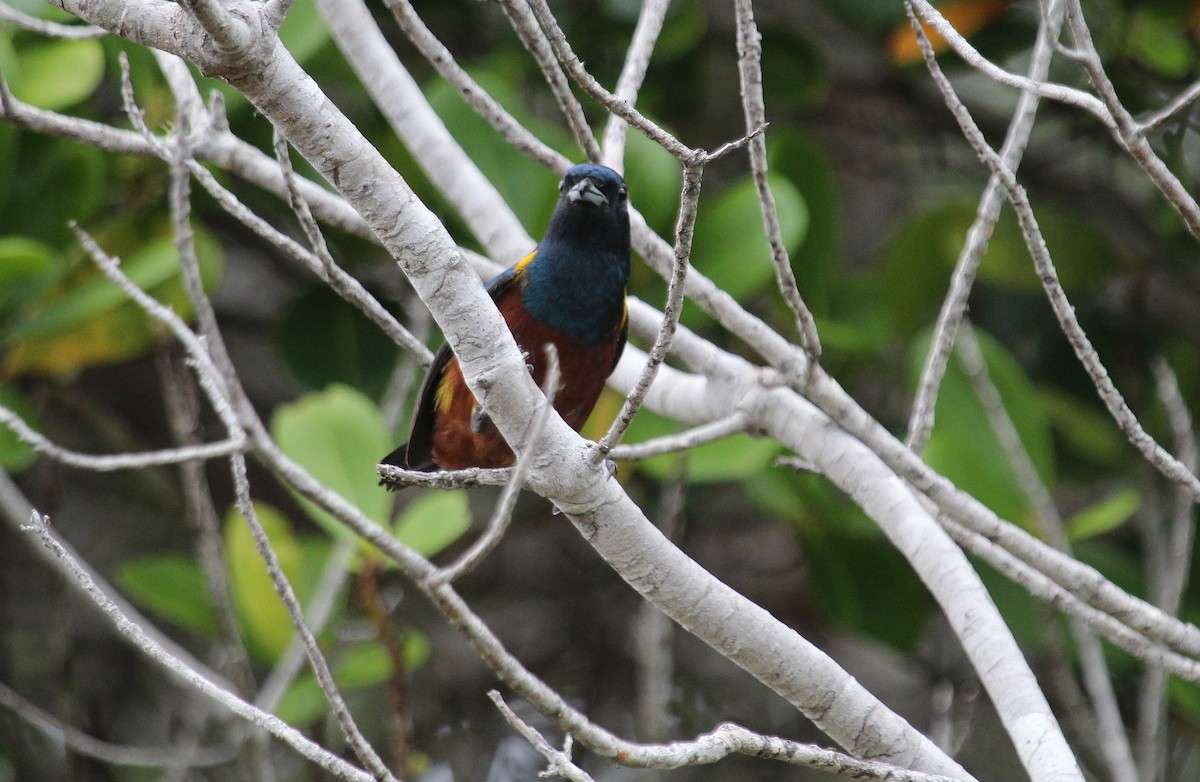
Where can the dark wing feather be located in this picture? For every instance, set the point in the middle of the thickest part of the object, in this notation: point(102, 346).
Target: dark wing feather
point(417, 453)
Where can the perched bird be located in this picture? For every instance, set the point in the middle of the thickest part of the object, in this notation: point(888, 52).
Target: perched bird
point(569, 292)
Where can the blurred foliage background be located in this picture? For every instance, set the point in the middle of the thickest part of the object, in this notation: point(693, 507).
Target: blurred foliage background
point(875, 189)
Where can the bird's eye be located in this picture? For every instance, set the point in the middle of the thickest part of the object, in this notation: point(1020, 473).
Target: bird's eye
point(622, 193)
point(562, 186)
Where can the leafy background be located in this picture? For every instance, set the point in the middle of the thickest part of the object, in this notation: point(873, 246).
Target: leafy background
point(875, 190)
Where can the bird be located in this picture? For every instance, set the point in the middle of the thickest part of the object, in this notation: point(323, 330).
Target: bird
point(568, 292)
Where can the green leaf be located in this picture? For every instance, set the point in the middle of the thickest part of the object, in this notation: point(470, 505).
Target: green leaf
point(85, 319)
point(1089, 433)
point(1105, 515)
point(730, 246)
point(434, 521)
point(58, 74)
point(1161, 43)
point(963, 446)
point(527, 187)
point(847, 573)
point(303, 32)
point(919, 259)
point(268, 627)
point(152, 266)
point(15, 454)
point(816, 262)
point(338, 435)
point(27, 267)
point(172, 586)
point(324, 340)
point(73, 180)
point(654, 178)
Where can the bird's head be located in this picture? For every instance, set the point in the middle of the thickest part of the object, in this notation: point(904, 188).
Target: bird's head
point(593, 185)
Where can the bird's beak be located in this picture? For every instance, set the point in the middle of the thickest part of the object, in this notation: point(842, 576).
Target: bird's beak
point(585, 190)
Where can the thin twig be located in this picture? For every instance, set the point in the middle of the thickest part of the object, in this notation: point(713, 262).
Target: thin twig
point(1044, 588)
point(684, 229)
point(189, 265)
point(350, 289)
point(729, 739)
point(1056, 92)
point(1126, 130)
point(653, 633)
point(46, 27)
point(1180, 102)
point(540, 46)
point(560, 763)
point(320, 608)
point(148, 757)
point(321, 671)
point(344, 285)
point(749, 48)
point(681, 441)
point(614, 103)
point(182, 408)
point(515, 134)
point(117, 461)
point(398, 477)
point(1169, 561)
point(502, 513)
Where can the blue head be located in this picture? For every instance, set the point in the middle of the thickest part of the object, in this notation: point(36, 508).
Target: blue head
point(576, 281)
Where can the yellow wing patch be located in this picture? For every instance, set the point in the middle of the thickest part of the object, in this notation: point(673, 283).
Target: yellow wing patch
point(519, 269)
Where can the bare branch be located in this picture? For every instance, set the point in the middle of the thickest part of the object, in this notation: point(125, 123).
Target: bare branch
point(1097, 678)
point(183, 409)
point(230, 33)
point(316, 659)
point(1125, 128)
point(1056, 92)
point(320, 608)
point(117, 461)
point(400, 100)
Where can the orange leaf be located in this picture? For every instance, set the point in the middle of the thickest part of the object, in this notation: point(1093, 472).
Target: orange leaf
point(966, 16)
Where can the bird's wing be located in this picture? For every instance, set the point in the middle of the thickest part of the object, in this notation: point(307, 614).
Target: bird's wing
point(417, 453)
